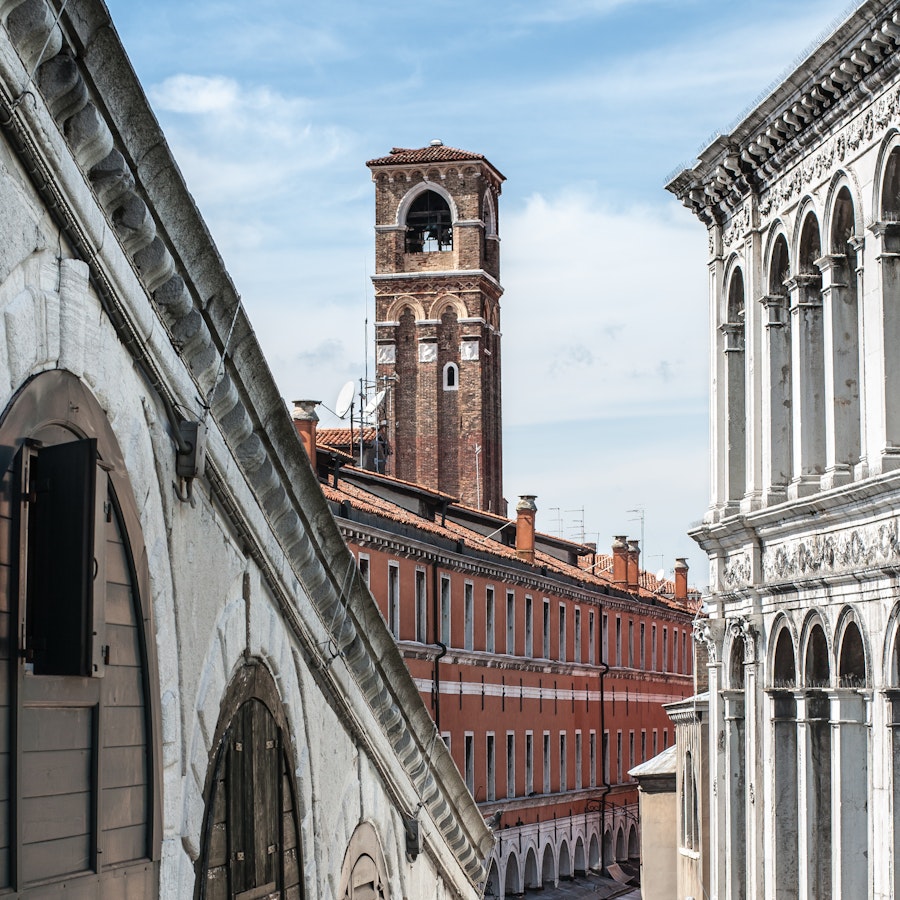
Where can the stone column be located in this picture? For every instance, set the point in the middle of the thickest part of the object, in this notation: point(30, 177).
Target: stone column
point(858, 245)
point(735, 792)
point(893, 704)
point(736, 417)
point(778, 398)
point(841, 356)
point(808, 384)
point(718, 785)
point(885, 455)
point(849, 794)
point(783, 867)
point(814, 794)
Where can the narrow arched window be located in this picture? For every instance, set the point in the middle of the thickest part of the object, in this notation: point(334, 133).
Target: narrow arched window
point(451, 377)
point(429, 224)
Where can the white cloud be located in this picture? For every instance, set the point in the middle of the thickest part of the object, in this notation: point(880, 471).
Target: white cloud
point(604, 313)
point(196, 94)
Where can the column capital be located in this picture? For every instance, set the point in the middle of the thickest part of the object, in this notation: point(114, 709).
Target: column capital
point(734, 336)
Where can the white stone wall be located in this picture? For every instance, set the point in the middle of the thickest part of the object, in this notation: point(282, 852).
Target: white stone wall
point(252, 565)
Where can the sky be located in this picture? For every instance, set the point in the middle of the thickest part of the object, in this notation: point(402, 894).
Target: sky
point(588, 107)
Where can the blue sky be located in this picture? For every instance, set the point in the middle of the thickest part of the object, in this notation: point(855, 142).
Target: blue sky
point(587, 106)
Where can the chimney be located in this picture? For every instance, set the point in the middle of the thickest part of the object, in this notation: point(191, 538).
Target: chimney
point(305, 419)
point(681, 572)
point(525, 510)
point(634, 564)
point(620, 559)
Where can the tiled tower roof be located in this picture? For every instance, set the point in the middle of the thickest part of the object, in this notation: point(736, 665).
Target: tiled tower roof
point(434, 152)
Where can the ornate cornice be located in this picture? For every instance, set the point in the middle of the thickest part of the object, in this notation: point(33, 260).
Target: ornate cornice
point(849, 67)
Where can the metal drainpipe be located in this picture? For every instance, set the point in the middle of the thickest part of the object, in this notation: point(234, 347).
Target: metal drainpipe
point(607, 787)
point(436, 673)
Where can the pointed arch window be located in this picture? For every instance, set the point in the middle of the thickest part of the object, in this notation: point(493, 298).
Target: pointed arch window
point(429, 224)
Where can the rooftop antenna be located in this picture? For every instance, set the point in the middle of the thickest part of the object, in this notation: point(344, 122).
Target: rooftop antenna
point(558, 520)
point(639, 517)
point(579, 523)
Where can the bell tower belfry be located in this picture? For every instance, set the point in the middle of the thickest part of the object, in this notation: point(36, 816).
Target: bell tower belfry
point(437, 312)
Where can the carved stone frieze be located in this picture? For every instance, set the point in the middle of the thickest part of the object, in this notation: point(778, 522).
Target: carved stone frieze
point(741, 629)
point(884, 113)
point(705, 632)
point(854, 548)
point(736, 572)
point(740, 225)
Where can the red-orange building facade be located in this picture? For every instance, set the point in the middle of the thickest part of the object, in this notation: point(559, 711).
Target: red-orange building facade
point(546, 679)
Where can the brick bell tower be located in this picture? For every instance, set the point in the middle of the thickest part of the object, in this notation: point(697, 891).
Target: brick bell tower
point(437, 312)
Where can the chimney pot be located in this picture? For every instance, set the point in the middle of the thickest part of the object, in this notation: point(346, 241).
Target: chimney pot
point(633, 570)
point(525, 512)
point(305, 420)
point(620, 559)
point(681, 575)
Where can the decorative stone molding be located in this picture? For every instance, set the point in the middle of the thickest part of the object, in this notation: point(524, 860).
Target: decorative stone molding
point(851, 549)
point(710, 633)
point(741, 629)
point(740, 224)
point(736, 571)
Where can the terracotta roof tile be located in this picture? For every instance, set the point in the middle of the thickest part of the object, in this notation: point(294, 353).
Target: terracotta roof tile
point(432, 153)
point(370, 503)
point(342, 437)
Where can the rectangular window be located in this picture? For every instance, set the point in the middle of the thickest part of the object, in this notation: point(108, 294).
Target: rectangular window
point(653, 647)
point(529, 763)
point(510, 622)
point(618, 757)
point(489, 619)
point(655, 742)
point(491, 771)
point(605, 638)
point(445, 610)
point(529, 626)
point(394, 599)
point(606, 769)
point(563, 764)
point(562, 633)
point(643, 745)
point(470, 761)
point(421, 607)
point(578, 761)
point(618, 640)
point(364, 567)
point(469, 614)
point(643, 648)
point(577, 626)
point(593, 762)
point(546, 762)
point(665, 667)
point(592, 644)
point(630, 750)
point(665, 738)
point(630, 643)
point(545, 646)
point(684, 662)
point(510, 764)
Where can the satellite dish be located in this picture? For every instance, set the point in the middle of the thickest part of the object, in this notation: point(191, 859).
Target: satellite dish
point(661, 575)
point(374, 403)
point(344, 400)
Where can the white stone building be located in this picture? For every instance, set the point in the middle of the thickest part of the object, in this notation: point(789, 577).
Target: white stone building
point(802, 203)
point(199, 696)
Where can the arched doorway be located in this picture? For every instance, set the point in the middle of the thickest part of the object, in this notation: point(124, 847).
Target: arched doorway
point(608, 858)
point(620, 845)
point(634, 845)
point(594, 853)
point(532, 881)
point(548, 870)
point(492, 885)
point(251, 840)
point(580, 867)
point(565, 862)
point(512, 887)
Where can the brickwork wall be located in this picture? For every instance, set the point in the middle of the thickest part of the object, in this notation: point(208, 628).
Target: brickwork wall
point(434, 432)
